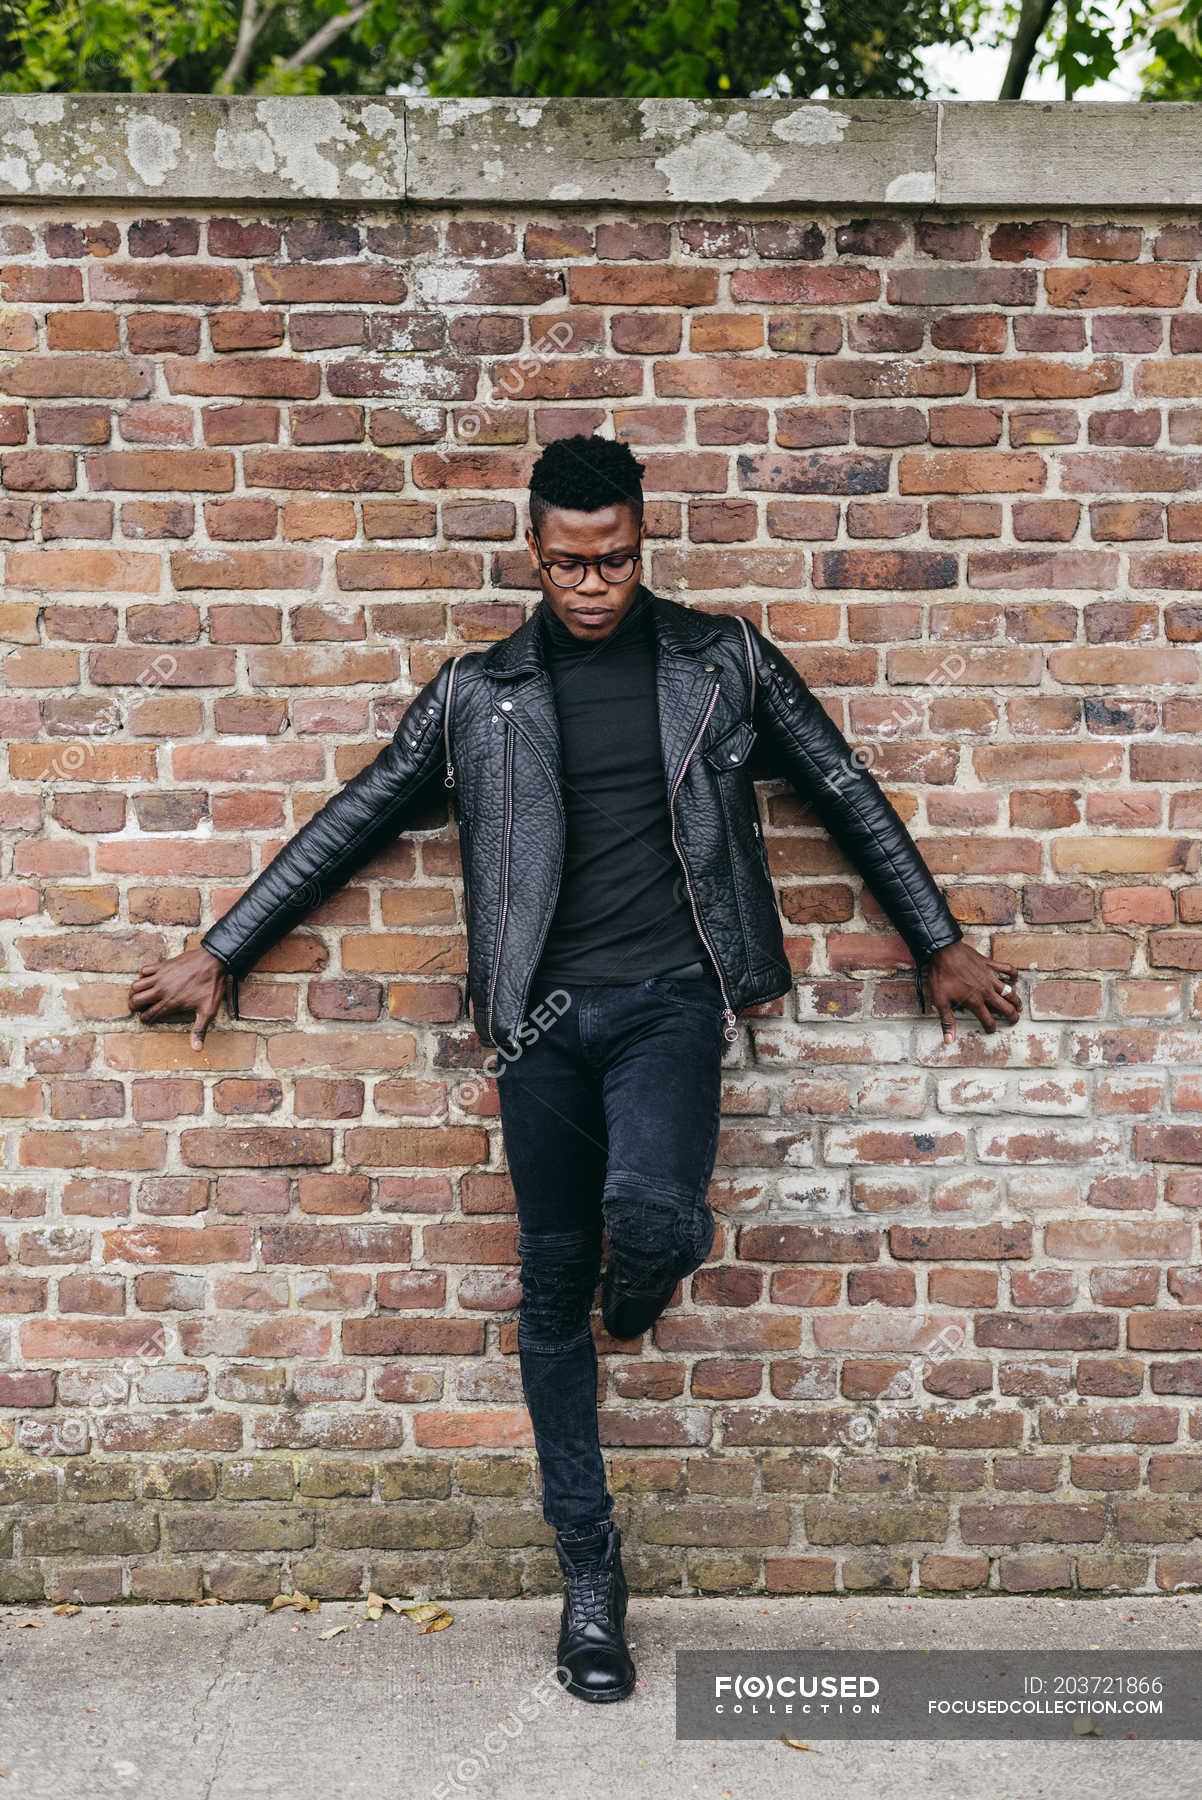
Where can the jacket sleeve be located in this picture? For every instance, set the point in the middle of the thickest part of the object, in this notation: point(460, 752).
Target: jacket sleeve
point(802, 744)
point(361, 819)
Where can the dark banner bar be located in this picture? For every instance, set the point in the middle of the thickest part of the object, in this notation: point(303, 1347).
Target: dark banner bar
point(808, 1694)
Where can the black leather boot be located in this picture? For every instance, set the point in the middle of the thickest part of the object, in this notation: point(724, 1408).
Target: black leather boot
point(592, 1652)
point(628, 1314)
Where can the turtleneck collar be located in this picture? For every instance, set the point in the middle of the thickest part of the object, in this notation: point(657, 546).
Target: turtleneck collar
point(562, 642)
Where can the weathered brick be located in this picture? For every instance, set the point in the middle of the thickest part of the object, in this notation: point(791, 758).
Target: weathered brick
point(929, 406)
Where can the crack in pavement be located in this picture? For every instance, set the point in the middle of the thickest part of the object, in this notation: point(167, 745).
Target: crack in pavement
point(201, 1705)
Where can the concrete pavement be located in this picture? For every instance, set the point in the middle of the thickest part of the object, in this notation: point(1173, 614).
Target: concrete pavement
point(226, 1702)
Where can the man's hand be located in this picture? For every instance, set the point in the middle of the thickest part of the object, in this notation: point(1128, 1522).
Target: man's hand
point(958, 975)
point(193, 981)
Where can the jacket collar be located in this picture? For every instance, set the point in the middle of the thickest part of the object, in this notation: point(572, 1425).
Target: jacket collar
point(679, 630)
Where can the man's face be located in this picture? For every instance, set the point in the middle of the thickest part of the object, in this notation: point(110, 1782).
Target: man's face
point(595, 607)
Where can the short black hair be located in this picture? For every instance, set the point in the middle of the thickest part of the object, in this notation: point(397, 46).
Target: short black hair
point(584, 474)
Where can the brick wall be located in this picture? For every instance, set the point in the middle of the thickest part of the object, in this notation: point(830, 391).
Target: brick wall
point(262, 470)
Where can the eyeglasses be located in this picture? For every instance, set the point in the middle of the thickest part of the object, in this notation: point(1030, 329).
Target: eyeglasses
point(568, 572)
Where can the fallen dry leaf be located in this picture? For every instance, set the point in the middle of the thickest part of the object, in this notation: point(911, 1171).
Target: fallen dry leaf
point(796, 1744)
point(397, 1604)
point(438, 1624)
point(301, 1602)
point(333, 1631)
point(375, 1606)
point(66, 1610)
point(425, 1609)
point(209, 1600)
point(38, 1624)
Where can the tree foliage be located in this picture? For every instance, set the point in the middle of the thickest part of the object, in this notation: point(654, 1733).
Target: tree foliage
point(1083, 41)
point(690, 48)
point(842, 49)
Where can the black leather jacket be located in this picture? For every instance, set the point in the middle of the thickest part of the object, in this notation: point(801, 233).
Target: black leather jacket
point(731, 708)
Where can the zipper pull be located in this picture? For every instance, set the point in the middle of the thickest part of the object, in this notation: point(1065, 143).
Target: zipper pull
point(730, 1029)
point(448, 780)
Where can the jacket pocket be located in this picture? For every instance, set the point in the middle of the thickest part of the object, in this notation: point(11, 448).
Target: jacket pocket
point(732, 749)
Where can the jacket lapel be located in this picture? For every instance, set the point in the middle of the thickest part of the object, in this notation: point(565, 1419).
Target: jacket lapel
point(684, 683)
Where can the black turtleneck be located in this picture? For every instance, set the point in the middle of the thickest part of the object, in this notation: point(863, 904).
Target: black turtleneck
point(623, 912)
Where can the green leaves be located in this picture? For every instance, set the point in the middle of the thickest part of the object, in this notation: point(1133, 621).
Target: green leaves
point(836, 49)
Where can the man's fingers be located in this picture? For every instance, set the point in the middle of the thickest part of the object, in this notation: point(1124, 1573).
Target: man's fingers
point(948, 1020)
point(151, 1013)
point(146, 988)
point(983, 1013)
point(200, 1024)
point(1007, 1005)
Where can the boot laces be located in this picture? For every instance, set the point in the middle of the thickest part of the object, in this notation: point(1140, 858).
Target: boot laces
point(589, 1589)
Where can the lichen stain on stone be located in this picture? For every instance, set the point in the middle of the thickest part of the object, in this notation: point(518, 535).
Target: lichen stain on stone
point(812, 125)
point(918, 184)
point(151, 148)
point(21, 143)
point(243, 150)
point(565, 190)
point(710, 167)
point(527, 116)
point(387, 128)
point(295, 129)
point(669, 118)
point(37, 109)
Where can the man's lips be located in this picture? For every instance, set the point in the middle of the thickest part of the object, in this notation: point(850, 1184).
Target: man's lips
point(590, 615)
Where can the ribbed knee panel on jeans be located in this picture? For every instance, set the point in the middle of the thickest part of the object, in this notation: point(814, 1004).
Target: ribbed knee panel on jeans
point(559, 1272)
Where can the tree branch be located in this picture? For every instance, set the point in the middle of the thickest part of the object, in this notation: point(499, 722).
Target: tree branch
point(321, 40)
point(1032, 22)
point(249, 26)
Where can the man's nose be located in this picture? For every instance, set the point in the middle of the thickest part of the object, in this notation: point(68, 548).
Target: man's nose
point(593, 582)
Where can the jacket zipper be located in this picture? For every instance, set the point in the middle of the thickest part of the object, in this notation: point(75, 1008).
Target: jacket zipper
point(492, 986)
point(730, 1029)
point(448, 779)
point(559, 876)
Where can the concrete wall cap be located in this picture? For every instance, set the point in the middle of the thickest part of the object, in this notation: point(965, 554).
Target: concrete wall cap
point(651, 152)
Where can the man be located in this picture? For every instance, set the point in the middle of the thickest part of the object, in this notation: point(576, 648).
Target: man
point(620, 913)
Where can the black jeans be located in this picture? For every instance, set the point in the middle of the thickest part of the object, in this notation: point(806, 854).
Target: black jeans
point(610, 1118)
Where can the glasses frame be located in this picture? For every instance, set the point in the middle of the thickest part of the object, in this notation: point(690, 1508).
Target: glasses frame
point(587, 562)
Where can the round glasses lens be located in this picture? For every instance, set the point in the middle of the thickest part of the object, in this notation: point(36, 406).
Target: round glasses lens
point(617, 568)
point(566, 574)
